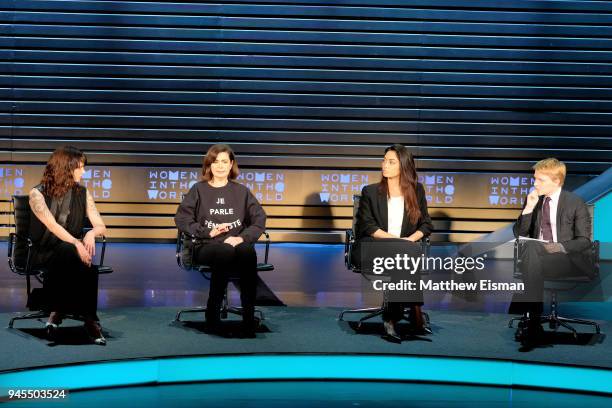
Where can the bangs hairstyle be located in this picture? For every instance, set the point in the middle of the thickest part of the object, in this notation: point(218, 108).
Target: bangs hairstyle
point(58, 176)
point(552, 168)
point(211, 156)
point(408, 182)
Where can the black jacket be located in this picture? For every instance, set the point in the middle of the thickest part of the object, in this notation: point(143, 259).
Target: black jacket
point(573, 222)
point(372, 214)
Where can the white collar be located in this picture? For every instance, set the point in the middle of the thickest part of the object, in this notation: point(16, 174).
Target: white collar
point(554, 197)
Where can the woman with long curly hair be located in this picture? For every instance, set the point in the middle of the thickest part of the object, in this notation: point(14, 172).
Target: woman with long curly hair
point(394, 211)
point(60, 206)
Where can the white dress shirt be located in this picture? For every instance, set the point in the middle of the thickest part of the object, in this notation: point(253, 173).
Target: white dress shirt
point(553, 204)
point(395, 215)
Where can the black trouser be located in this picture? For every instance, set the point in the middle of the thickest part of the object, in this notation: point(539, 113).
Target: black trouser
point(70, 285)
point(536, 266)
point(228, 262)
point(391, 310)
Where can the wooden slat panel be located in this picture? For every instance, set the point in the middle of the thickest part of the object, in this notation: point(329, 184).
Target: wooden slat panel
point(470, 86)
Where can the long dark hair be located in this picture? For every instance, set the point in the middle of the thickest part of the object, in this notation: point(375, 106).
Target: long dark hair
point(211, 156)
point(58, 176)
point(408, 181)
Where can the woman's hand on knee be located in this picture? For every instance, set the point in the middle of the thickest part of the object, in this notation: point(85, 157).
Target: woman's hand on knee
point(90, 243)
point(83, 253)
point(234, 241)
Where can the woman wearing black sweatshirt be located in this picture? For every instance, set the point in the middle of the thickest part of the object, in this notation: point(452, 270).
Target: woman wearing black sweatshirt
point(229, 220)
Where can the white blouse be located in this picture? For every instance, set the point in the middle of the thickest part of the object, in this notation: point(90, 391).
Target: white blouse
point(395, 215)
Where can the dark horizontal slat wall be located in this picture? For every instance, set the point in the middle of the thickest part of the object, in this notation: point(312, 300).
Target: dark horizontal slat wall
point(470, 86)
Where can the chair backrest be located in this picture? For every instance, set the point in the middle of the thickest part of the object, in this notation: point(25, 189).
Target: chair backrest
point(356, 199)
point(21, 212)
point(595, 244)
point(184, 251)
point(591, 209)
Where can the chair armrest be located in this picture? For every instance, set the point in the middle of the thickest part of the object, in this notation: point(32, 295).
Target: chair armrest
point(104, 269)
point(102, 239)
point(267, 251)
point(179, 247)
point(516, 270)
point(349, 241)
point(425, 247)
point(11, 239)
point(181, 236)
point(13, 236)
point(195, 241)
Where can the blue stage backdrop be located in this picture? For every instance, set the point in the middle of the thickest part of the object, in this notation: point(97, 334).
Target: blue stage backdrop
point(308, 89)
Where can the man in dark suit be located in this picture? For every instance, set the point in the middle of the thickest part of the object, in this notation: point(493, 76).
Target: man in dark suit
point(561, 219)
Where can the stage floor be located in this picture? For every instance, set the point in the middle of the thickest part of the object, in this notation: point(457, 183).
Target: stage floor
point(137, 304)
point(148, 332)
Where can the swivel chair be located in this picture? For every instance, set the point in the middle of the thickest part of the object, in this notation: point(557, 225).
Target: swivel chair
point(563, 284)
point(184, 257)
point(20, 251)
point(349, 242)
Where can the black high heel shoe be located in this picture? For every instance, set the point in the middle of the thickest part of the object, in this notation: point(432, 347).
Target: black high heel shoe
point(390, 333)
point(94, 331)
point(213, 320)
point(418, 325)
point(51, 326)
point(51, 331)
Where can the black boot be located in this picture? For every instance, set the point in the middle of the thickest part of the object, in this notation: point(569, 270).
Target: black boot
point(529, 331)
point(249, 323)
point(213, 317)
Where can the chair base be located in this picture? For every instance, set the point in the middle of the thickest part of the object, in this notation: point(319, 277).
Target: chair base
point(373, 312)
point(27, 316)
point(225, 311)
point(555, 321)
point(40, 315)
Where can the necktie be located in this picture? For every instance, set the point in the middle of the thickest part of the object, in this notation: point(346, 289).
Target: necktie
point(547, 234)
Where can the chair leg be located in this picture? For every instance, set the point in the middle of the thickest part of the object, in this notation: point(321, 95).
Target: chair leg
point(224, 312)
point(568, 327)
point(555, 321)
point(363, 310)
point(193, 310)
point(580, 321)
point(238, 311)
point(34, 315)
point(511, 322)
point(369, 316)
